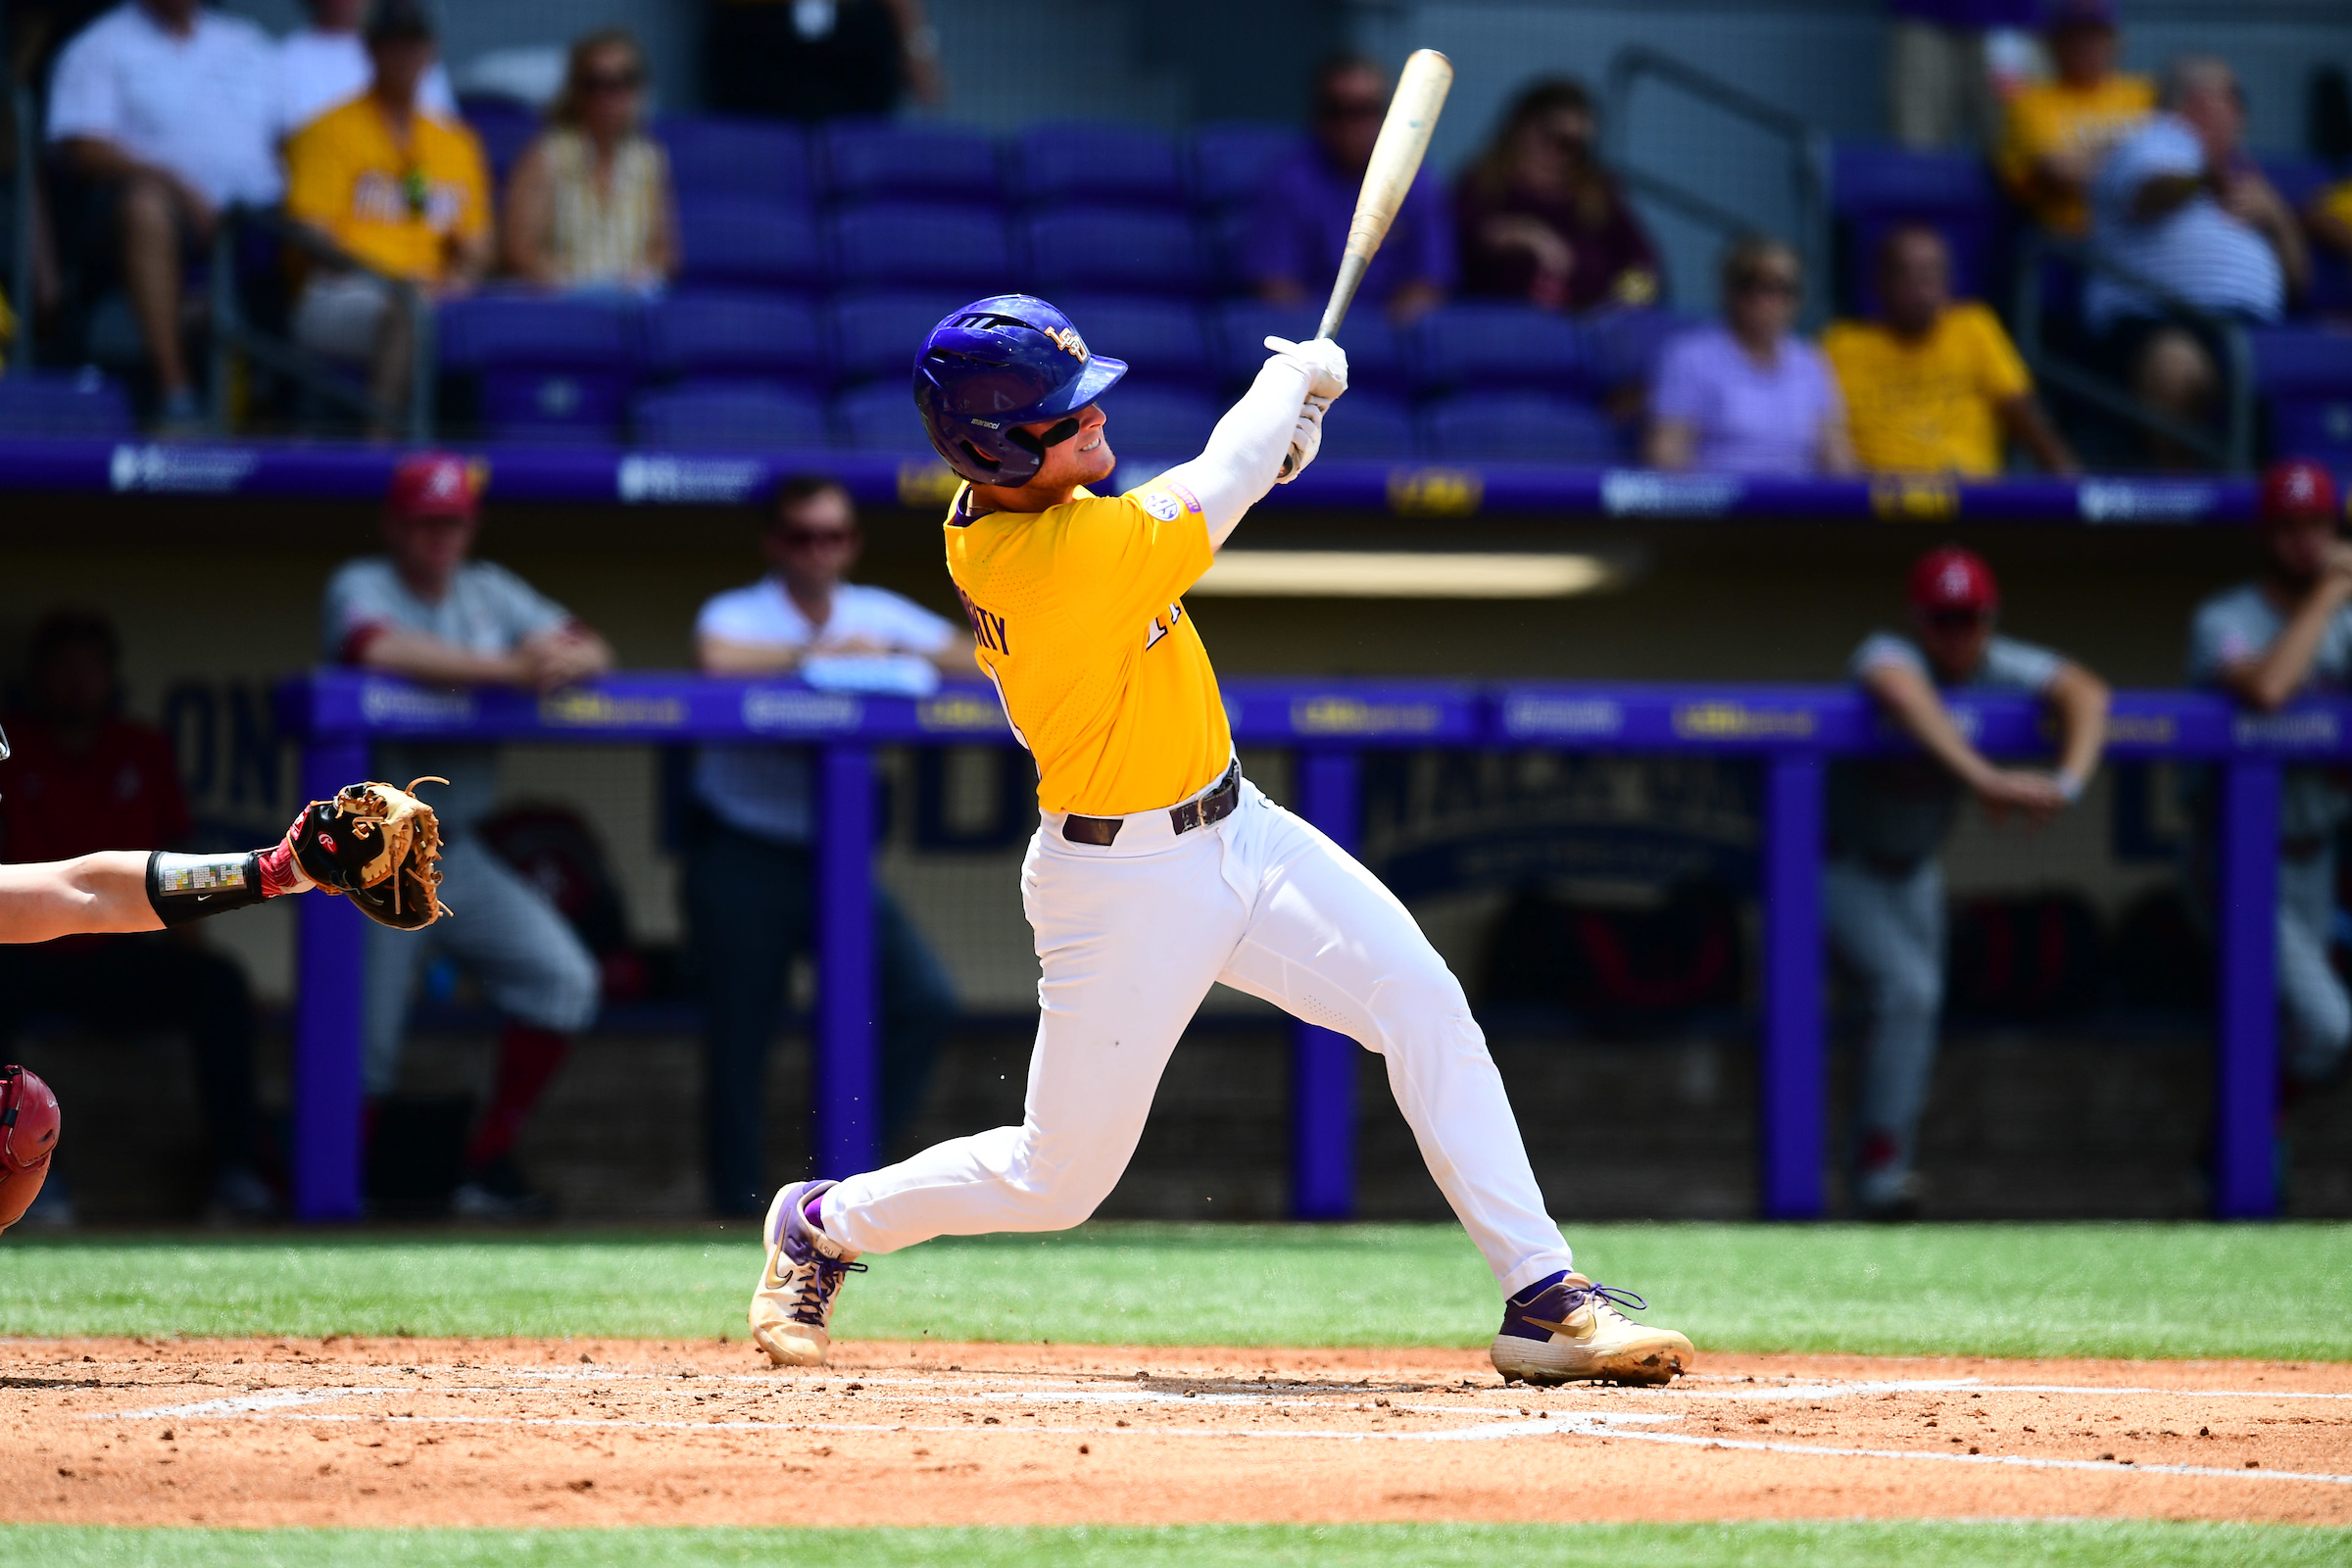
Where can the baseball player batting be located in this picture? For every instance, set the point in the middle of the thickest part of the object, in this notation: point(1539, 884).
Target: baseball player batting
point(1157, 870)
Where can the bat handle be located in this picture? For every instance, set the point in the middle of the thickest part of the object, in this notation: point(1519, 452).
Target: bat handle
point(1342, 291)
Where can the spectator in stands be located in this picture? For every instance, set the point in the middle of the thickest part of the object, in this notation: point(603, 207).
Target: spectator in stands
point(2182, 205)
point(818, 59)
point(1749, 396)
point(1541, 220)
point(1883, 890)
point(404, 195)
point(2287, 633)
point(1939, 82)
point(81, 778)
point(424, 610)
point(2329, 217)
point(326, 64)
point(163, 113)
point(1933, 385)
point(2058, 133)
point(588, 204)
point(748, 881)
point(1300, 224)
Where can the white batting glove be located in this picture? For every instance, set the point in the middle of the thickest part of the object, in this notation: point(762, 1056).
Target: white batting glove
point(1306, 439)
point(1324, 362)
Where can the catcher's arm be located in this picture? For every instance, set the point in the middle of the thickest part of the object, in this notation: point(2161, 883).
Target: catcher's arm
point(105, 892)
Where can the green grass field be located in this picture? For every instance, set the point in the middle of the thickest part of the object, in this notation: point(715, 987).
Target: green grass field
point(2136, 1291)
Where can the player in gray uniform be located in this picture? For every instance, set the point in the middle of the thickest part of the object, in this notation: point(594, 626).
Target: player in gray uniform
point(1883, 892)
point(426, 612)
point(2287, 633)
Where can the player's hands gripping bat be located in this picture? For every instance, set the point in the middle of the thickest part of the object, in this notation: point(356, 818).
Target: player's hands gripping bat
point(376, 845)
point(1395, 159)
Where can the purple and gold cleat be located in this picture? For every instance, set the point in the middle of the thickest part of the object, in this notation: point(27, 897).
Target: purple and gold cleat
point(1566, 1329)
point(792, 1310)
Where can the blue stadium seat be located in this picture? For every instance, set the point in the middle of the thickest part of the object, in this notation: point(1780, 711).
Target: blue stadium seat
point(717, 156)
point(1231, 161)
point(548, 369)
point(1160, 424)
point(876, 335)
point(1369, 425)
point(1874, 189)
point(1622, 347)
point(1160, 339)
point(880, 418)
point(504, 126)
point(866, 160)
point(1376, 355)
point(1122, 164)
point(2306, 375)
point(906, 242)
point(79, 404)
point(747, 241)
point(733, 418)
point(2298, 178)
point(1491, 347)
point(1106, 248)
point(1517, 428)
point(770, 335)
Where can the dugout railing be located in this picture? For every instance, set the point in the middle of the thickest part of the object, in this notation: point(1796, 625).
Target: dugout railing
point(1791, 733)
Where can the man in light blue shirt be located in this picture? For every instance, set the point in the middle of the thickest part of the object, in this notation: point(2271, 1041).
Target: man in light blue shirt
point(748, 884)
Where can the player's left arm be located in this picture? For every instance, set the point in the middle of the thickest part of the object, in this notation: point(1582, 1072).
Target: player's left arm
point(1282, 413)
point(2080, 700)
point(95, 894)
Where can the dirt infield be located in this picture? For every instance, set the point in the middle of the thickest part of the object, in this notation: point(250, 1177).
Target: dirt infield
point(414, 1431)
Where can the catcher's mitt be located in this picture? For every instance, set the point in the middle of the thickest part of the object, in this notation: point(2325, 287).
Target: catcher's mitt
point(28, 1121)
point(380, 846)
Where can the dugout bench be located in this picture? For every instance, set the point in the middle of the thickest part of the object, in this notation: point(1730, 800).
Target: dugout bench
point(1790, 732)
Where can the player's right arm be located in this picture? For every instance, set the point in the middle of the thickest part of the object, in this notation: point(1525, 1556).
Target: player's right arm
point(1283, 408)
point(1912, 702)
point(2268, 680)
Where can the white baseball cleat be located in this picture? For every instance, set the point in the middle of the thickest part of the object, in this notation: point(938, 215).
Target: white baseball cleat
point(805, 1268)
point(1566, 1329)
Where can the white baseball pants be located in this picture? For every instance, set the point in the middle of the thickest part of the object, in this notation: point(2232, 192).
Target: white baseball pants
point(1130, 937)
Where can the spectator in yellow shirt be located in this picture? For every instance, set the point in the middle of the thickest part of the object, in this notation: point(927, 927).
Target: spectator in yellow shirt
point(2058, 132)
point(2329, 217)
point(404, 194)
point(1933, 385)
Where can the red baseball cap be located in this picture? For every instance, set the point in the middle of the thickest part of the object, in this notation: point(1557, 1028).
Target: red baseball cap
point(432, 484)
point(1953, 579)
point(2298, 489)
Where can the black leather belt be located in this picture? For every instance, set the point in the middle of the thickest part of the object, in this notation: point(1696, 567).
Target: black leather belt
point(1214, 807)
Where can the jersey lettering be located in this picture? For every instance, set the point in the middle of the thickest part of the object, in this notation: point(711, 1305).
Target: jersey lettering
point(987, 626)
point(1159, 627)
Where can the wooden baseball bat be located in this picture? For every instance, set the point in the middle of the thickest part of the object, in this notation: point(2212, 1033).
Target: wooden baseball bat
point(1396, 160)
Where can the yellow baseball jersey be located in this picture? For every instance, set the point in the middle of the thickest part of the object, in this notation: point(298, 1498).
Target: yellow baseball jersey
point(1079, 613)
point(1927, 407)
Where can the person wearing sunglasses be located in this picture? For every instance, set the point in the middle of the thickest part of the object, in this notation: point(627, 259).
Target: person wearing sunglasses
point(1749, 396)
point(1299, 226)
point(1889, 816)
point(748, 884)
point(589, 204)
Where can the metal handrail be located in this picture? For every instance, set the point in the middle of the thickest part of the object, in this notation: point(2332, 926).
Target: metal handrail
point(233, 334)
point(1808, 160)
point(21, 264)
point(2234, 449)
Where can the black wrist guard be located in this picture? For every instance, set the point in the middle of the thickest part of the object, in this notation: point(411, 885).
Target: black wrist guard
point(190, 887)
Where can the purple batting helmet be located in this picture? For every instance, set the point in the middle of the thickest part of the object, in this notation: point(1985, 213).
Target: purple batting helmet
point(995, 365)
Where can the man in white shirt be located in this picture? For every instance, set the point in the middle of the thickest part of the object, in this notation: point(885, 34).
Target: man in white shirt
point(326, 64)
point(166, 112)
point(748, 883)
point(2180, 203)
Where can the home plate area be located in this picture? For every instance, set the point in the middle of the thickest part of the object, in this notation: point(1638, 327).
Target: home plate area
point(417, 1431)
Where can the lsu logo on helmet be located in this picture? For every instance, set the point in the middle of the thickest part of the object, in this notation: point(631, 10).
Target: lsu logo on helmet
point(1066, 338)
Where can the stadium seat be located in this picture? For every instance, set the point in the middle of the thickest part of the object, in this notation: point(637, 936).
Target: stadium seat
point(1369, 425)
point(907, 242)
point(1231, 161)
point(735, 418)
point(1160, 424)
point(2305, 373)
point(1160, 339)
point(80, 403)
point(746, 241)
point(876, 335)
point(1086, 162)
point(868, 159)
point(1622, 347)
point(1874, 189)
point(880, 418)
point(1517, 428)
point(1105, 248)
point(547, 369)
point(717, 156)
point(1491, 347)
point(505, 127)
point(705, 335)
point(1376, 356)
